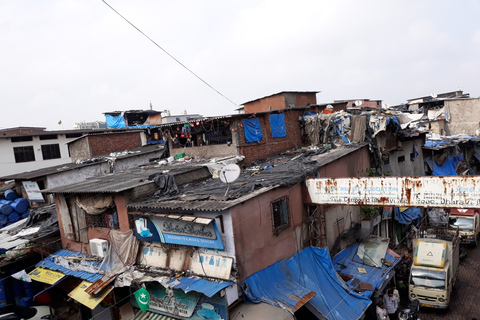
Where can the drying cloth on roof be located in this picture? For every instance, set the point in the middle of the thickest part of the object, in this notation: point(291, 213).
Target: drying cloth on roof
point(408, 216)
point(165, 183)
point(253, 133)
point(446, 169)
point(277, 125)
point(359, 125)
point(115, 121)
point(97, 204)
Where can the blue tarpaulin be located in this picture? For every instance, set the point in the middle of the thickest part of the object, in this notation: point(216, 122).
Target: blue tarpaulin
point(408, 216)
point(446, 169)
point(348, 262)
point(115, 121)
point(253, 133)
point(277, 125)
point(310, 270)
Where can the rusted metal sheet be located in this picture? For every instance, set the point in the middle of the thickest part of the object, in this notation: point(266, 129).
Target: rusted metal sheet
point(440, 192)
point(99, 285)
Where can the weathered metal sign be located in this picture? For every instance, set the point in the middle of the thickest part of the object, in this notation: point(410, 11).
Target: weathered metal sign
point(444, 192)
point(204, 264)
point(45, 275)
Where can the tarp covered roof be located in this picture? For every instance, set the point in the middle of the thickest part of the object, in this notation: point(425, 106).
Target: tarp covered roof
point(348, 262)
point(208, 288)
point(312, 270)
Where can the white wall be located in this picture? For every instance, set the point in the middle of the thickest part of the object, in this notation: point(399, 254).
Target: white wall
point(8, 165)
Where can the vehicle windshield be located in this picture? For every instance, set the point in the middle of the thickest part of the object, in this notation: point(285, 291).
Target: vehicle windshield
point(463, 224)
point(428, 278)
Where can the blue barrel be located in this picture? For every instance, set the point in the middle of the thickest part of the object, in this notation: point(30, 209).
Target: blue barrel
point(3, 220)
point(29, 293)
point(26, 302)
point(20, 205)
point(26, 214)
point(13, 217)
point(17, 288)
point(3, 296)
point(10, 195)
point(5, 209)
point(6, 201)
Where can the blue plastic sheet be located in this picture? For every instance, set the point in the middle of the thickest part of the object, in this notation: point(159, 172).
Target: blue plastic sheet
point(253, 133)
point(115, 121)
point(309, 270)
point(277, 125)
point(408, 216)
point(348, 262)
point(446, 169)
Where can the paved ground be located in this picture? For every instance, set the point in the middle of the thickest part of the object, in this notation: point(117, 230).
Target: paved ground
point(465, 303)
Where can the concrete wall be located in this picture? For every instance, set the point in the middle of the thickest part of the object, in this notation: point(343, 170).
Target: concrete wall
point(210, 151)
point(7, 159)
point(400, 163)
point(256, 245)
point(465, 116)
point(79, 149)
point(281, 101)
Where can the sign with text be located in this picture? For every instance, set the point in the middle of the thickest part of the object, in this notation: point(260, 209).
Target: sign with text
point(428, 192)
point(33, 191)
point(84, 298)
point(45, 275)
point(191, 305)
point(180, 232)
point(204, 264)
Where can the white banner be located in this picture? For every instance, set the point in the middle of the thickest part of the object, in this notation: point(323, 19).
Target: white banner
point(428, 192)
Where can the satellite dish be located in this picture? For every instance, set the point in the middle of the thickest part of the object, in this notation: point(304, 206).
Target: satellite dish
point(433, 95)
point(229, 173)
point(358, 103)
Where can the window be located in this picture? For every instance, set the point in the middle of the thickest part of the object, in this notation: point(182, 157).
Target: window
point(20, 139)
point(279, 214)
point(24, 154)
point(50, 151)
point(73, 135)
point(401, 159)
point(48, 137)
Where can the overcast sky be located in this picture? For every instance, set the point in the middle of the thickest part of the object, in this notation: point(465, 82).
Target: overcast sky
point(72, 60)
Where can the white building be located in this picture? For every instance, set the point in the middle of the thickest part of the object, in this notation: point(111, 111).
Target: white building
point(30, 148)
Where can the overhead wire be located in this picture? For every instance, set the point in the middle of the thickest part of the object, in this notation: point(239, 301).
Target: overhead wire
point(170, 55)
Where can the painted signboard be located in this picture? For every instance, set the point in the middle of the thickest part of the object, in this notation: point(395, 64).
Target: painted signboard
point(165, 230)
point(33, 191)
point(191, 305)
point(84, 298)
point(45, 275)
point(443, 192)
point(204, 264)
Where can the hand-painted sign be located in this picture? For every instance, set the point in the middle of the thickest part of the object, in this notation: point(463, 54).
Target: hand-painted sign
point(440, 192)
point(84, 298)
point(45, 275)
point(204, 264)
point(33, 191)
point(180, 232)
point(191, 305)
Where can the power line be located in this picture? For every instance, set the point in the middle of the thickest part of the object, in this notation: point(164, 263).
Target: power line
point(171, 56)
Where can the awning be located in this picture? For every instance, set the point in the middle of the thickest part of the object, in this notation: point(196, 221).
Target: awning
point(310, 270)
point(49, 263)
point(147, 315)
point(348, 262)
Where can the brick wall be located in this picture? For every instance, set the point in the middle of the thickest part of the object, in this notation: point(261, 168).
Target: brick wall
point(269, 146)
point(106, 143)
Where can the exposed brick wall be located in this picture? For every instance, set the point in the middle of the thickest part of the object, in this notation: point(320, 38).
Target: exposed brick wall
point(105, 143)
point(269, 146)
point(280, 101)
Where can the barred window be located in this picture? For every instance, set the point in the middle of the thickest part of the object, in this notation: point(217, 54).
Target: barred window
point(51, 151)
point(24, 154)
point(279, 209)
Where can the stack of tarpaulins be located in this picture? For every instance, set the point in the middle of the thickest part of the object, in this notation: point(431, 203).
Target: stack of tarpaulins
point(12, 208)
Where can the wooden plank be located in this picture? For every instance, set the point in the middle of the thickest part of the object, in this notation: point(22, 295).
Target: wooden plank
point(73, 214)
point(65, 217)
point(82, 224)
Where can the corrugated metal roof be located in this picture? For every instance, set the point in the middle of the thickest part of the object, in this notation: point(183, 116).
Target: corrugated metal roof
point(118, 182)
point(49, 263)
point(147, 315)
point(72, 166)
point(208, 288)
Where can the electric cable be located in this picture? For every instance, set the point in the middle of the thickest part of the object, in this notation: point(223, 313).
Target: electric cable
point(171, 56)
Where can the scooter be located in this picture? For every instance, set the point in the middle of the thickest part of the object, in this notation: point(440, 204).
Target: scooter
point(411, 313)
point(11, 312)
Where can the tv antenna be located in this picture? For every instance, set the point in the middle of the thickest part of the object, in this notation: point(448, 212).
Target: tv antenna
point(229, 174)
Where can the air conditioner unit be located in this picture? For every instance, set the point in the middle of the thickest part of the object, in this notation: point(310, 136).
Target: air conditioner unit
point(99, 247)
